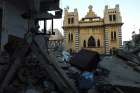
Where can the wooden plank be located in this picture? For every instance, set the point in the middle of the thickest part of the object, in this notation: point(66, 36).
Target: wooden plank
point(51, 66)
point(10, 74)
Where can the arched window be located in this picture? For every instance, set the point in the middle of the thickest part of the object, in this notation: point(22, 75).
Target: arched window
point(68, 20)
point(91, 42)
point(114, 35)
point(98, 43)
point(84, 44)
point(114, 17)
point(72, 20)
point(71, 37)
point(111, 35)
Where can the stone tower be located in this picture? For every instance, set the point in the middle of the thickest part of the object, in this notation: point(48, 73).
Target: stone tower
point(71, 21)
point(113, 23)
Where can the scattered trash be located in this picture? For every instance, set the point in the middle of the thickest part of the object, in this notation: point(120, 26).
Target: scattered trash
point(86, 80)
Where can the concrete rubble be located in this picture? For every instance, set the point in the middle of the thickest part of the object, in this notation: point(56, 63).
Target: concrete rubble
point(24, 69)
point(34, 69)
point(31, 70)
point(119, 73)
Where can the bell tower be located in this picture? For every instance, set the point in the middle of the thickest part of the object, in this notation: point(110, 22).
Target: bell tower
point(71, 33)
point(112, 15)
point(113, 23)
point(70, 18)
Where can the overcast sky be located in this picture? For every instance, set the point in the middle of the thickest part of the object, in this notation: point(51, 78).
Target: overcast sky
point(130, 12)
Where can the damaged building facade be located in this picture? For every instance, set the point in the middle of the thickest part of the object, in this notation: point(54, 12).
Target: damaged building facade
point(11, 21)
point(16, 20)
point(93, 32)
point(24, 61)
point(134, 43)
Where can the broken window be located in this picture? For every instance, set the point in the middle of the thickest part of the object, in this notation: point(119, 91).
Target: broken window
point(45, 26)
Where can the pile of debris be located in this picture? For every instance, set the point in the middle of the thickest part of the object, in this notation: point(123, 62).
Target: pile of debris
point(114, 74)
point(28, 66)
point(121, 72)
point(111, 74)
point(80, 69)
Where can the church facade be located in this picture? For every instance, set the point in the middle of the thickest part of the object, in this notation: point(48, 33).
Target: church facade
point(93, 32)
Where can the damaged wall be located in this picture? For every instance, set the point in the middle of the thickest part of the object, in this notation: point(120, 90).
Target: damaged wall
point(13, 23)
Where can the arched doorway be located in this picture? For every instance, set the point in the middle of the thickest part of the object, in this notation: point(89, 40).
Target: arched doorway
point(91, 42)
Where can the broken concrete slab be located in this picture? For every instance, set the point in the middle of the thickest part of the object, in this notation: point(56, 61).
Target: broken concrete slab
point(119, 72)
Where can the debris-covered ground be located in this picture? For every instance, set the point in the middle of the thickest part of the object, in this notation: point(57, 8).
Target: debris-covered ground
point(115, 73)
point(30, 68)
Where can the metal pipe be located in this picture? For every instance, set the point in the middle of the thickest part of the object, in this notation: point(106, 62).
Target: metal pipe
point(45, 29)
